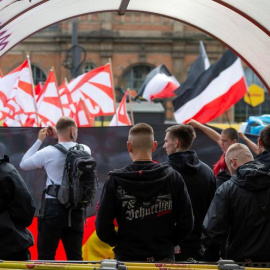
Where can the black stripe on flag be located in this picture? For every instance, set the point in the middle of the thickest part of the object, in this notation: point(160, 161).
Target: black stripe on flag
point(205, 79)
point(195, 72)
point(160, 69)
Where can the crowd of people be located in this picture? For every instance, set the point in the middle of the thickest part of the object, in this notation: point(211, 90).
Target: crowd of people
point(176, 210)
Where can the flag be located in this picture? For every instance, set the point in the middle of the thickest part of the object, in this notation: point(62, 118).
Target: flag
point(48, 102)
point(199, 66)
point(19, 99)
point(69, 108)
point(38, 88)
point(96, 89)
point(83, 118)
point(6, 85)
point(159, 83)
point(215, 91)
point(121, 117)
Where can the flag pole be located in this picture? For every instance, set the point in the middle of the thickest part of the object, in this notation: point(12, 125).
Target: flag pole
point(130, 107)
point(33, 91)
point(86, 111)
point(57, 88)
point(114, 96)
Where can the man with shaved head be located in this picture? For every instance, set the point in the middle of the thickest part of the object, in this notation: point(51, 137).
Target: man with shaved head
point(149, 201)
point(240, 210)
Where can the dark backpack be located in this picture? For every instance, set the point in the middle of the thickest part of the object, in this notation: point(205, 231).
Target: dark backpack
point(79, 181)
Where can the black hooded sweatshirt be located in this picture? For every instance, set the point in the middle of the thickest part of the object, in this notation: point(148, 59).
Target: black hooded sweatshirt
point(236, 211)
point(201, 185)
point(152, 208)
point(17, 211)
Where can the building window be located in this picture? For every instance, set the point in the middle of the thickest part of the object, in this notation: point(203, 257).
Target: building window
point(38, 75)
point(135, 76)
point(87, 67)
point(242, 110)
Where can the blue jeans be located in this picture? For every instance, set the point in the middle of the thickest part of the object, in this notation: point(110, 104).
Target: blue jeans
point(54, 226)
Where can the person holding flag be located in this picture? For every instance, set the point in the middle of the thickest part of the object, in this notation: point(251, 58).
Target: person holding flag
point(227, 137)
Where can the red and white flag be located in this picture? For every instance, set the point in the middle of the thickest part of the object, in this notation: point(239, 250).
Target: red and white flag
point(6, 85)
point(215, 91)
point(159, 83)
point(96, 89)
point(38, 89)
point(83, 118)
point(19, 99)
point(48, 102)
point(121, 117)
point(69, 108)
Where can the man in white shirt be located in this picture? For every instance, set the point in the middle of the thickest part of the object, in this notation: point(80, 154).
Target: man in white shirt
point(53, 226)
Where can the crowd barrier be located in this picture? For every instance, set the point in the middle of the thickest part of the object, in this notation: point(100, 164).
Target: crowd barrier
point(117, 265)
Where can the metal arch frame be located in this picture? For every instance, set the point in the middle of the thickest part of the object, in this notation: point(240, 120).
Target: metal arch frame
point(243, 30)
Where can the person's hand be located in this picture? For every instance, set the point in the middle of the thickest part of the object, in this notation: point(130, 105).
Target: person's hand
point(241, 135)
point(194, 123)
point(52, 132)
point(42, 134)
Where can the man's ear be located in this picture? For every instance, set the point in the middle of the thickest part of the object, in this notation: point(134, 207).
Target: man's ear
point(154, 146)
point(260, 143)
point(129, 147)
point(176, 143)
point(71, 133)
point(234, 163)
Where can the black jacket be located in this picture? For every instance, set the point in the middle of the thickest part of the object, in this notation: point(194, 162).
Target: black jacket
point(152, 207)
point(264, 157)
point(17, 210)
point(200, 182)
point(222, 177)
point(236, 212)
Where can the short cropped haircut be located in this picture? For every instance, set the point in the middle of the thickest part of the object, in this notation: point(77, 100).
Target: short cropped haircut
point(240, 152)
point(63, 123)
point(142, 135)
point(141, 128)
point(265, 137)
point(232, 133)
point(184, 133)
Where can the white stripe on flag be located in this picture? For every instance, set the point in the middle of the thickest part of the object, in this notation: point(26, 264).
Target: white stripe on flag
point(218, 87)
point(157, 84)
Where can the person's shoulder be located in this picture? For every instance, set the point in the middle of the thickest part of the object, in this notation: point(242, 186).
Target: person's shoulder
point(48, 148)
point(174, 174)
point(206, 167)
point(226, 187)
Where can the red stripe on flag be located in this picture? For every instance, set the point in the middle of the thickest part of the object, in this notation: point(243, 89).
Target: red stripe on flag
point(168, 91)
point(218, 106)
point(26, 87)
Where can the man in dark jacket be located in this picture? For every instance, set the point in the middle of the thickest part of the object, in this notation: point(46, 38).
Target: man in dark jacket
point(149, 201)
point(262, 149)
point(240, 210)
point(199, 179)
point(17, 210)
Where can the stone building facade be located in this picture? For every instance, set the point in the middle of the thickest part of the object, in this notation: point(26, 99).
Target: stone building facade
point(135, 43)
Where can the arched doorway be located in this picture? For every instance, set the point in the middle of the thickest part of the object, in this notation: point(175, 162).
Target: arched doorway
point(242, 26)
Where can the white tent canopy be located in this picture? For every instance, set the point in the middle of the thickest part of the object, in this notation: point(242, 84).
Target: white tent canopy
point(242, 25)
